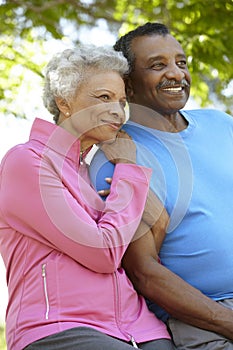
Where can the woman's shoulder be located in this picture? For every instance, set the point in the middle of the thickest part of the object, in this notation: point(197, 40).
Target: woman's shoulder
point(20, 157)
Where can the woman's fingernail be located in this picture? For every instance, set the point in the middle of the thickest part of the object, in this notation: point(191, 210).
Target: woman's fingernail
point(101, 192)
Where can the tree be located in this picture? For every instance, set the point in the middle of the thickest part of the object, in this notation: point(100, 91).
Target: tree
point(25, 26)
point(203, 27)
point(2, 338)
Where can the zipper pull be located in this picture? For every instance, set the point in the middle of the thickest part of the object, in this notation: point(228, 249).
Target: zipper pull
point(45, 291)
point(43, 270)
point(134, 342)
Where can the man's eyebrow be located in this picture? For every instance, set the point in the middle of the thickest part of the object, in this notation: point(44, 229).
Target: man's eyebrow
point(161, 57)
point(155, 58)
point(181, 55)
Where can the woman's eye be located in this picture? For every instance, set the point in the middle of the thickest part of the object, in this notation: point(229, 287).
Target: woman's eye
point(105, 97)
point(123, 103)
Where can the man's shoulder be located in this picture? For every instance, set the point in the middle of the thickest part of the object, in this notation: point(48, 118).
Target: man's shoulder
point(99, 169)
point(208, 117)
point(132, 125)
point(137, 131)
point(208, 112)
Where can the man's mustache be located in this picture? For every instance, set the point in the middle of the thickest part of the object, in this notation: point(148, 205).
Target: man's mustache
point(172, 83)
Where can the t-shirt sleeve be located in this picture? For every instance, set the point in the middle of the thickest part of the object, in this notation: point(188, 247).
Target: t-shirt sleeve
point(99, 169)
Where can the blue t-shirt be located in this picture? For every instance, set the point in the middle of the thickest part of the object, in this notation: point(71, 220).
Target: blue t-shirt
point(193, 177)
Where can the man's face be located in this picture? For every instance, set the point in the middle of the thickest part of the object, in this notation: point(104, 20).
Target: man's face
point(160, 79)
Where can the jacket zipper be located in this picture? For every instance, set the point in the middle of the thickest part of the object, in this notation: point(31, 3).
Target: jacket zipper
point(132, 340)
point(45, 291)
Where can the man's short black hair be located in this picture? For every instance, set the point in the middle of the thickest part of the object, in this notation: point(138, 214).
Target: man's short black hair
point(124, 43)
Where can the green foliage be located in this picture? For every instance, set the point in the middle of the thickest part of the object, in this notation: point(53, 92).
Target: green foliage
point(25, 26)
point(18, 58)
point(2, 338)
point(204, 29)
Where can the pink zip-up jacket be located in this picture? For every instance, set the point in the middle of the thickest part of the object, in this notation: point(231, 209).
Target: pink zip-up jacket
point(62, 245)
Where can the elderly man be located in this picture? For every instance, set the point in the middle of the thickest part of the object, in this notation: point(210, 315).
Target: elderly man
point(191, 286)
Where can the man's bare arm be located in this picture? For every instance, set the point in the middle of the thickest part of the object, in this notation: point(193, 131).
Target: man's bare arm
point(178, 298)
point(158, 284)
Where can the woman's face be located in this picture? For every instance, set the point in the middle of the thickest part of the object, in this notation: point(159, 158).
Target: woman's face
point(97, 111)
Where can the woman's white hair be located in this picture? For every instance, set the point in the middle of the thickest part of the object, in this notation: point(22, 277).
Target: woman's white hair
point(67, 70)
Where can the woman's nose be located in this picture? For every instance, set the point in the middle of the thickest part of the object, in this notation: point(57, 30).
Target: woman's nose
point(117, 110)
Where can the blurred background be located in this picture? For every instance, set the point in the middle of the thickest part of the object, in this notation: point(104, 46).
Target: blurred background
point(32, 31)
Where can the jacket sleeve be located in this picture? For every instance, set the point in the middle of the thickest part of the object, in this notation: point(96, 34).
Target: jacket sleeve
point(35, 202)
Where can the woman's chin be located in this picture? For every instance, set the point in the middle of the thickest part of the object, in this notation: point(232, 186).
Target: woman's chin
point(109, 140)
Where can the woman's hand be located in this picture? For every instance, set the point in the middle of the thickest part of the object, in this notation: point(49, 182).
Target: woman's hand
point(122, 150)
point(105, 193)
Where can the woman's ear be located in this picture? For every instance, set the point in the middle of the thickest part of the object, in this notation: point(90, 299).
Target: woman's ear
point(63, 106)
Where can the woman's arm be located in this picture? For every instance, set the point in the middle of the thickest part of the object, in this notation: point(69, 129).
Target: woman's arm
point(36, 202)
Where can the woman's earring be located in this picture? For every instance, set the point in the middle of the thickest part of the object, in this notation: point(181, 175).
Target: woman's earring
point(67, 114)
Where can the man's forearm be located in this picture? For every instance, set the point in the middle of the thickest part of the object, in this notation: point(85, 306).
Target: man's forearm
point(181, 300)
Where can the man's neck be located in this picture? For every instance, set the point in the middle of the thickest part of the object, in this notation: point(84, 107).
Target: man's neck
point(173, 122)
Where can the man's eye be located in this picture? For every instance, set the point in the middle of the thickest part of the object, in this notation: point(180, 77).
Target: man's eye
point(182, 64)
point(157, 66)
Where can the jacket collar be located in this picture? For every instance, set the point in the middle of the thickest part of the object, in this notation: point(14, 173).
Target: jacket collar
point(56, 138)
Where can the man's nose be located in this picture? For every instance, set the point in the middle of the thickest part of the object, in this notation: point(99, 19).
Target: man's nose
point(174, 72)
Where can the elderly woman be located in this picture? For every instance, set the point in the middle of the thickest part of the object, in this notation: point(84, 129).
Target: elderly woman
point(61, 244)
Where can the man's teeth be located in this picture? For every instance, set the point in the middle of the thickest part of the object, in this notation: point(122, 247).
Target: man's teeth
point(175, 89)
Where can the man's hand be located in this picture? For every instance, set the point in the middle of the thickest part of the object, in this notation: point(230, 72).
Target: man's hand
point(169, 291)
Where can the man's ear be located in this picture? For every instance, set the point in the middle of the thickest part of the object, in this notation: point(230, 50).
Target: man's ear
point(63, 106)
point(128, 88)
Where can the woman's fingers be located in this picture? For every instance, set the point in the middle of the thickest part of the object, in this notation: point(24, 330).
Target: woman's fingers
point(106, 192)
